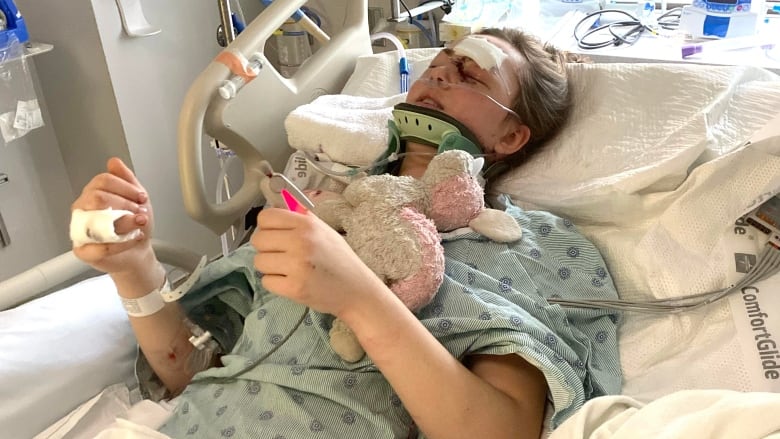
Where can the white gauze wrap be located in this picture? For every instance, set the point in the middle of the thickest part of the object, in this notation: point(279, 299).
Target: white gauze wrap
point(97, 226)
point(483, 52)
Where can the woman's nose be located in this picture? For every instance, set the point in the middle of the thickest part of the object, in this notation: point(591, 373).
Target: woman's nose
point(447, 73)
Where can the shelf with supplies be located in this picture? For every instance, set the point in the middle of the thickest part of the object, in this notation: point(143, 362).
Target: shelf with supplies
point(761, 50)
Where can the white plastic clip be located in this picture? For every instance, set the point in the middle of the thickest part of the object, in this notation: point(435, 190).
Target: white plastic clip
point(179, 292)
point(133, 20)
point(199, 341)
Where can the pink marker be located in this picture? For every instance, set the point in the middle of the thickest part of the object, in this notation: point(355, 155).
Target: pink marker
point(292, 203)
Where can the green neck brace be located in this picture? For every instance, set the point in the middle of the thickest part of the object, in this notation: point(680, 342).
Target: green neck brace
point(432, 127)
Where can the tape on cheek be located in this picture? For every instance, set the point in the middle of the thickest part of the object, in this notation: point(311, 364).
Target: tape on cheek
point(97, 227)
point(483, 52)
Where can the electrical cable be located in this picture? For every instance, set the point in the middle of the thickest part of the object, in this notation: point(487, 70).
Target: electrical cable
point(424, 31)
point(403, 3)
point(768, 265)
point(253, 364)
point(625, 31)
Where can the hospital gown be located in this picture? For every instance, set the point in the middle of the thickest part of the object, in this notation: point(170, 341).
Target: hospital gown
point(282, 379)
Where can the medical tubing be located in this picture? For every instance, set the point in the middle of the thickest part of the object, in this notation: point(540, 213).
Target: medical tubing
point(312, 159)
point(239, 21)
point(403, 65)
point(307, 24)
point(224, 184)
point(667, 20)
point(424, 31)
point(768, 265)
point(253, 364)
point(672, 306)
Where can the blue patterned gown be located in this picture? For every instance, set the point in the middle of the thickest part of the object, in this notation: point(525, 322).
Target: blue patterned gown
point(492, 301)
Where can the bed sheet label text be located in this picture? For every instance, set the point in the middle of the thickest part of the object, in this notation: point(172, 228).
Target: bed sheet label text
point(755, 310)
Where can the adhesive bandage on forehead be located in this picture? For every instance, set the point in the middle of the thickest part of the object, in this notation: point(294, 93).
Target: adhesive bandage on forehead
point(485, 54)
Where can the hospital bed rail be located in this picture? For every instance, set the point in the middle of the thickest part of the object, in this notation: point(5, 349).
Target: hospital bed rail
point(66, 269)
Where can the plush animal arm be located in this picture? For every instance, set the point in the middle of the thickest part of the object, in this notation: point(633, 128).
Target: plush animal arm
point(457, 199)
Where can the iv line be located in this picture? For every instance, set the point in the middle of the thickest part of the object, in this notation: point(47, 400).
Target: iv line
point(353, 171)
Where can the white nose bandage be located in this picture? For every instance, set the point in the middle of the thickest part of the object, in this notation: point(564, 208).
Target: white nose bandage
point(97, 227)
point(487, 55)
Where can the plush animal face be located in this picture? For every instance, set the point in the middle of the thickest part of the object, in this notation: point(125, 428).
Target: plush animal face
point(456, 196)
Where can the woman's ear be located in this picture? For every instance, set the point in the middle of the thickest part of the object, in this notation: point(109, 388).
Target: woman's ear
point(515, 139)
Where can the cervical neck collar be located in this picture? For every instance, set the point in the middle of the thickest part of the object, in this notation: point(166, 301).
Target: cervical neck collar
point(432, 127)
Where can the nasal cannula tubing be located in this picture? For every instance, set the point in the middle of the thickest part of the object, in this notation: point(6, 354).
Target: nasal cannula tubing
point(358, 169)
point(445, 85)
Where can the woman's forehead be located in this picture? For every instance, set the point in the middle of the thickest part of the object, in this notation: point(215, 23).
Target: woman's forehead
point(481, 49)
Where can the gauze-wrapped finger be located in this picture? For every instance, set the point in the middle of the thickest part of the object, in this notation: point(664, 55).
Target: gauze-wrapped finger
point(97, 227)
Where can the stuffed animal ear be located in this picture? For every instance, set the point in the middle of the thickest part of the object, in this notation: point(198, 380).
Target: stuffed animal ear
point(476, 166)
point(496, 225)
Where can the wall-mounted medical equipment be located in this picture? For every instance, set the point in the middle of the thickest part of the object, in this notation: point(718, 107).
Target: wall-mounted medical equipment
point(20, 111)
point(469, 16)
point(292, 45)
point(765, 42)
point(12, 24)
point(722, 18)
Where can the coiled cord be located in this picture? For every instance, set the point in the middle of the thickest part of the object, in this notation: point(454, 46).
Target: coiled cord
point(626, 31)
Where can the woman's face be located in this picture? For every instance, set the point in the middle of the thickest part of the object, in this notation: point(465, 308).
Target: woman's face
point(458, 86)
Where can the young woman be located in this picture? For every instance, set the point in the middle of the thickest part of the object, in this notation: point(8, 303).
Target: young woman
point(483, 360)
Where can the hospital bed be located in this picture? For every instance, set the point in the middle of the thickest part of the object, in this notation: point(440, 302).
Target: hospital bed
point(658, 166)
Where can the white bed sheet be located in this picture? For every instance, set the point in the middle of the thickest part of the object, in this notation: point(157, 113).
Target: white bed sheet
point(60, 350)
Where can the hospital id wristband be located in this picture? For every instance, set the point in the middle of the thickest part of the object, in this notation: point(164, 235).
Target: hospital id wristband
point(146, 305)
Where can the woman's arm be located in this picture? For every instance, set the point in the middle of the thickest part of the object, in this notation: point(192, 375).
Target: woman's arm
point(162, 336)
point(490, 396)
point(303, 259)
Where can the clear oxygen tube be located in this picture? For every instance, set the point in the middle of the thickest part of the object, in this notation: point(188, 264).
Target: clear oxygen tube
point(403, 64)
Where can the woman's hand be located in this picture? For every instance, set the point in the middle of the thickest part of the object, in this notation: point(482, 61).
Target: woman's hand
point(119, 189)
point(305, 260)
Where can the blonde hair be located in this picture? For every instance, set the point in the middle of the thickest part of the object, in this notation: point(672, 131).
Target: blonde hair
point(543, 101)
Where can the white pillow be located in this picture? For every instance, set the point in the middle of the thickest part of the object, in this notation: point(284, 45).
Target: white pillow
point(635, 128)
point(638, 129)
point(60, 350)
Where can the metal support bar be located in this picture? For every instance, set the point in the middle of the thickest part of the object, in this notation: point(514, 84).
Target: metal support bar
point(400, 14)
point(226, 18)
point(5, 238)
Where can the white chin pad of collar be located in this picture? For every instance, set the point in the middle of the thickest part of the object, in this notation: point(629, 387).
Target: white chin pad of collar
point(483, 52)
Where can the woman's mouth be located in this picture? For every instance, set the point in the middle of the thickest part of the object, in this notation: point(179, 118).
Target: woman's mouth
point(428, 103)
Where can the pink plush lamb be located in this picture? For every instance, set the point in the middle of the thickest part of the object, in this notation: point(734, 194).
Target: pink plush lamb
point(393, 225)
